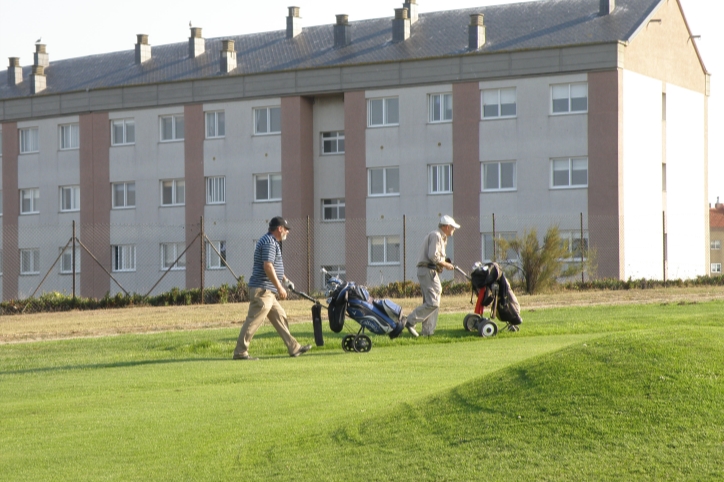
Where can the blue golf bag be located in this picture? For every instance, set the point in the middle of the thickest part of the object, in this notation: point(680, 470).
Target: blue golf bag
point(381, 317)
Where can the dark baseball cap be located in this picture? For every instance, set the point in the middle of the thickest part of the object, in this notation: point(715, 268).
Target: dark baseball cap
point(278, 221)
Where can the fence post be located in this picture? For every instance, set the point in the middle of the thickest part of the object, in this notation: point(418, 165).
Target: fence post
point(309, 256)
point(582, 252)
point(663, 230)
point(72, 258)
point(201, 267)
point(404, 255)
point(495, 241)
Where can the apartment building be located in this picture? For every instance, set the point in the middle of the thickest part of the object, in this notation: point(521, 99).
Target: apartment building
point(587, 114)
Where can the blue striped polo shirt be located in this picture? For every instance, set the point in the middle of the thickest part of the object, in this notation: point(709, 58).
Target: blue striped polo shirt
point(267, 249)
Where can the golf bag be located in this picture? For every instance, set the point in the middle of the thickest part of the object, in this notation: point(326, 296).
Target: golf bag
point(381, 317)
point(491, 277)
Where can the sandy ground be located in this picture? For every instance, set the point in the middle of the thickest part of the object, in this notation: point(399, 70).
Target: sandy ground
point(77, 324)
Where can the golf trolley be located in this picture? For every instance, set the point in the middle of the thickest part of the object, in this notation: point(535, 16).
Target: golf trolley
point(493, 290)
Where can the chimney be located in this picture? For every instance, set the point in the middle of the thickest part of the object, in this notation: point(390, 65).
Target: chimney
point(15, 72)
point(342, 32)
point(197, 44)
point(606, 7)
point(400, 25)
point(294, 22)
point(228, 56)
point(411, 6)
point(143, 50)
point(40, 57)
point(476, 31)
point(37, 79)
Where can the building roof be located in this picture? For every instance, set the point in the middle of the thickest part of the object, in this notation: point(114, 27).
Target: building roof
point(716, 217)
point(514, 27)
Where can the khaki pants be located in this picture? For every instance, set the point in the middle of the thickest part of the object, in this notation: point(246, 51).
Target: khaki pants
point(427, 312)
point(263, 304)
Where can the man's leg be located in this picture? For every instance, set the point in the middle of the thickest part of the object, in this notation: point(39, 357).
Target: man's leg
point(259, 305)
point(431, 288)
point(278, 318)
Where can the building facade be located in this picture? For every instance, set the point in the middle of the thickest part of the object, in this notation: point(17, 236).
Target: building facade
point(586, 114)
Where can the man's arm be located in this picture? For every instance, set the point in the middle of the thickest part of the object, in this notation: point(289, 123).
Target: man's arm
point(272, 275)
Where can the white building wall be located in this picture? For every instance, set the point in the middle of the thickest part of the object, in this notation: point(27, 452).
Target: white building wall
point(329, 183)
point(532, 139)
point(642, 179)
point(414, 145)
point(686, 183)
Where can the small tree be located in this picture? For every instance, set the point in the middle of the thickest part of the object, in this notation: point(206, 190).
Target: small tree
point(537, 265)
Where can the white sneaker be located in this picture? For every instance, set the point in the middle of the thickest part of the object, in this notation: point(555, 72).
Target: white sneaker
point(412, 330)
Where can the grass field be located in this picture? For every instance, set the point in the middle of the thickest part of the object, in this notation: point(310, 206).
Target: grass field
point(624, 392)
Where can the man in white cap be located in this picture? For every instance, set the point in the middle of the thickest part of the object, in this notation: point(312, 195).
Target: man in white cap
point(430, 264)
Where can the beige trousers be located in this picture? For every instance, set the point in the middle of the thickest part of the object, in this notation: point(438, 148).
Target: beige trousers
point(263, 304)
point(427, 312)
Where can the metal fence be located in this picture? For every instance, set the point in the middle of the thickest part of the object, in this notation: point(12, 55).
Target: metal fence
point(92, 260)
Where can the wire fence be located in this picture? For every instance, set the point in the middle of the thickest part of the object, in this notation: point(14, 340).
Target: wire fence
point(93, 260)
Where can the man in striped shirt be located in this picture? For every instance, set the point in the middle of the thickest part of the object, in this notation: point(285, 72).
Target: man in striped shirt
point(265, 284)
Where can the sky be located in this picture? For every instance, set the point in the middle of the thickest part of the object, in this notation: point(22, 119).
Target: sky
point(75, 28)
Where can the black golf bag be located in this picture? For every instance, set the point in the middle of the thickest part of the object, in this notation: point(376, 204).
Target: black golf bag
point(497, 290)
point(381, 317)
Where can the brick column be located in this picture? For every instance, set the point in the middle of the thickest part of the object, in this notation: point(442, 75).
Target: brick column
point(194, 133)
point(605, 196)
point(298, 186)
point(11, 210)
point(95, 203)
point(466, 172)
point(355, 185)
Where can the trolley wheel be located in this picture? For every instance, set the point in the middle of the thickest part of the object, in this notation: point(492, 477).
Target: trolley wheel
point(470, 322)
point(362, 344)
point(348, 343)
point(487, 328)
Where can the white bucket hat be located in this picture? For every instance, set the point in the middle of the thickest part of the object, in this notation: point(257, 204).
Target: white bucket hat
point(449, 221)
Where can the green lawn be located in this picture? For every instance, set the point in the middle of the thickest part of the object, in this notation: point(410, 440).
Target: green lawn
point(602, 393)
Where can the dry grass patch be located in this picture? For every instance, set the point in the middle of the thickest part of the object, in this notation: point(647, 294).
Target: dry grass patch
point(77, 324)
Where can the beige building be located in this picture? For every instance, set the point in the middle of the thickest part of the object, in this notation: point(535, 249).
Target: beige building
point(586, 114)
point(716, 228)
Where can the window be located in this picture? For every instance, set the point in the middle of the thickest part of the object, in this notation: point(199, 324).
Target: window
point(384, 181)
point(268, 187)
point(215, 190)
point(334, 271)
point(1, 202)
point(172, 128)
point(499, 176)
point(440, 179)
point(69, 136)
point(66, 260)
point(491, 249)
point(123, 131)
point(333, 209)
point(124, 257)
point(173, 192)
point(215, 124)
point(70, 198)
point(213, 261)
point(28, 140)
point(440, 107)
point(124, 195)
point(268, 120)
point(569, 98)
point(716, 268)
point(333, 142)
point(384, 250)
point(169, 253)
point(29, 201)
point(572, 241)
point(716, 244)
point(30, 261)
point(571, 172)
point(499, 103)
point(1, 143)
point(383, 112)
